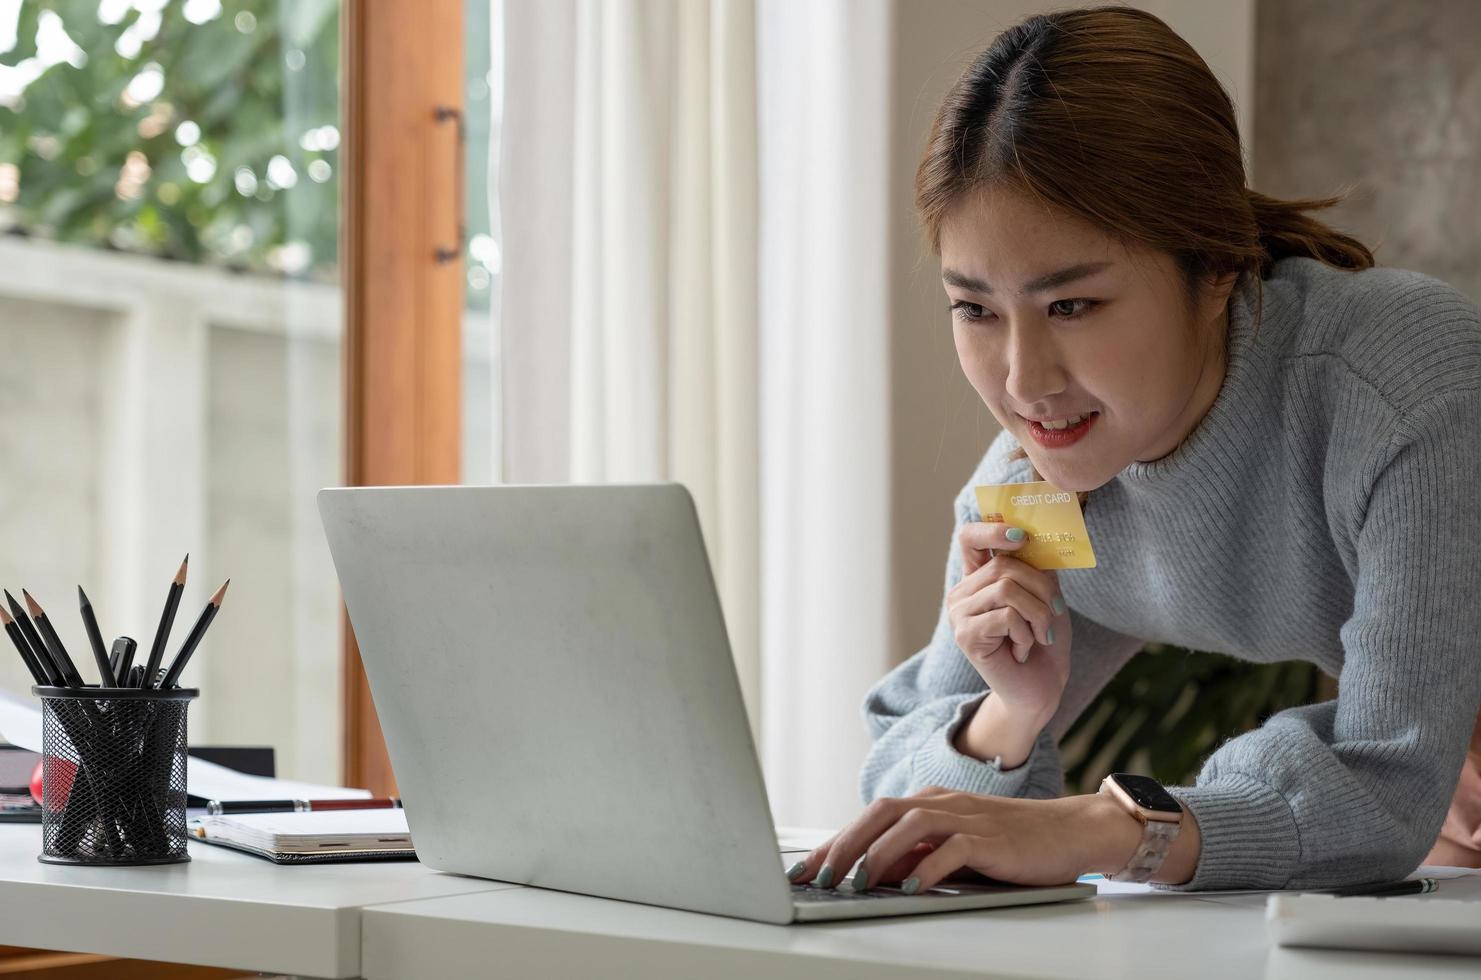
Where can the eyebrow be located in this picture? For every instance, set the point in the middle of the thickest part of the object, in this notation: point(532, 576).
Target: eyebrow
point(953, 278)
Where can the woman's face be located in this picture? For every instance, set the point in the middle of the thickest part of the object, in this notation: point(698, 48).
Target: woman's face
point(1053, 318)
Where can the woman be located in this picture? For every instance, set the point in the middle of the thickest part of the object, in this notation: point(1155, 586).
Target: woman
point(1275, 445)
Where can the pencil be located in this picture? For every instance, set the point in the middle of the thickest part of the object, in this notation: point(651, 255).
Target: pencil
point(27, 655)
point(194, 639)
point(95, 640)
point(43, 656)
point(53, 642)
point(166, 622)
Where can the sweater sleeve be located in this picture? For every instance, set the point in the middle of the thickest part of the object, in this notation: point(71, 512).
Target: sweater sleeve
point(1356, 789)
point(914, 711)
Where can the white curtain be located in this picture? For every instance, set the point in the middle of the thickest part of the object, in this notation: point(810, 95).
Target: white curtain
point(825, 211)
point(628, 203)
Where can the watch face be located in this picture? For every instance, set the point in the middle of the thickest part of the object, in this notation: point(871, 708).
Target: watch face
point(1147, 792)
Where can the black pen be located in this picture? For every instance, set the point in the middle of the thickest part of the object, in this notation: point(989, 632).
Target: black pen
point(123, 651)
point(28, 630)
point(1419, 886)
point(166, 621)
point(53, 642)
point(219, 807)
point(95, 640)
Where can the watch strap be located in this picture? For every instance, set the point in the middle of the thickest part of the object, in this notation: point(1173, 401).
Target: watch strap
point(1157, 838)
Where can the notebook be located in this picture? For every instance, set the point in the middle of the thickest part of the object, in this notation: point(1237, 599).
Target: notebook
point(312, 838)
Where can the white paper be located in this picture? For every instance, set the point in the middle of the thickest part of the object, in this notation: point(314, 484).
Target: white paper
point(20, 724)
point(216, 782)
point(20, 721)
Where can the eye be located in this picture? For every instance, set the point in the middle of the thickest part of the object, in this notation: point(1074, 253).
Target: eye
point(1066, 307)
point(967, 312)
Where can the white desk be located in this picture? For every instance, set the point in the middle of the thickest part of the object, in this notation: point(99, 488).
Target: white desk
point(222, 908)
point(529, 932)
point(398, 920)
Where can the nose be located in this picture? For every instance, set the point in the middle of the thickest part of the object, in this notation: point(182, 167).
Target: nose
point(1034, 372)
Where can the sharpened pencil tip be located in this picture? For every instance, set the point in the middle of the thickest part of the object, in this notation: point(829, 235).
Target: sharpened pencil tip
point(5, 619)
point(33, 605)
point(82, 597)
point(180, 575)
point(216, 599)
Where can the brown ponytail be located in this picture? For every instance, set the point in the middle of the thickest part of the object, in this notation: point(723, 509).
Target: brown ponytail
point(1107, 114)
point(1285, 229)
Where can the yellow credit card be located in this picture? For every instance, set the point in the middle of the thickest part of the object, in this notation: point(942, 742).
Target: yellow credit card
point(1056, 528)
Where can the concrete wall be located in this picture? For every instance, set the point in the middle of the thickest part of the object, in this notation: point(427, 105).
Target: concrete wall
point(1385, 97)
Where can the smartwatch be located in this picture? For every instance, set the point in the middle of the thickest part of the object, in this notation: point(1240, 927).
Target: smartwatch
point(1154, 808)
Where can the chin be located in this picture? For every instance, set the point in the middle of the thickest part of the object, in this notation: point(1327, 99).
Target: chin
point(1071, 482)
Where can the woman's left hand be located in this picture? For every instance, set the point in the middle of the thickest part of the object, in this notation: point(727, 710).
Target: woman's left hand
point(937, 832)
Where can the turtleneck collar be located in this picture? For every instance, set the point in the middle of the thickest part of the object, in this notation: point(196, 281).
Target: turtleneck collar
point(1217, 437)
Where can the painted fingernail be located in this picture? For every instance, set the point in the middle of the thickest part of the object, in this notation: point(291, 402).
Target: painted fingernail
point(1014, 534)
point(1020, 657)
point(795, 871)
point(1059, 606)
point(1049, 635)
point(861, 879)
point(825, 877)
point(911, 886)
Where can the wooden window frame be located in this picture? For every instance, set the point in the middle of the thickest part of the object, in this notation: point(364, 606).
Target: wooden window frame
point(403, 293)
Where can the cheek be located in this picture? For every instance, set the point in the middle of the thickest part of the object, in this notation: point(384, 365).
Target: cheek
point(978, 362)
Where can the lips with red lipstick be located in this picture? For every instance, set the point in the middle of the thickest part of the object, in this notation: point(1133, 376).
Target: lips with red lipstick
point(1060, 431)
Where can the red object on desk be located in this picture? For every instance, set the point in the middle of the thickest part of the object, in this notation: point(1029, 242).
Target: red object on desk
point(63, 772)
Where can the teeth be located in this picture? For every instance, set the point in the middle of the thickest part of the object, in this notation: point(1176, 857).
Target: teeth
point(1065, 423)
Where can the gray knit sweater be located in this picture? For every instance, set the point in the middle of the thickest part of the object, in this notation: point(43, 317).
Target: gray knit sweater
point(1325, 509)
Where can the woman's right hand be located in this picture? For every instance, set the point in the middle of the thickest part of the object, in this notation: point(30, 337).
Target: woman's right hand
point(1002, 613)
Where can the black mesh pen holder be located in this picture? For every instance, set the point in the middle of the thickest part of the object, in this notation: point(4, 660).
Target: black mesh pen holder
point(113, 775)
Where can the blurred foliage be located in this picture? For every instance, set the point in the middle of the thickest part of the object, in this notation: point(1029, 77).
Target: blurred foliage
point(1168, 708)
point(212, 142)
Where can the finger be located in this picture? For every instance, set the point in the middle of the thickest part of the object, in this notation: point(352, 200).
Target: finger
point(834, 861)
point(905, 835)
point(939, 798)
point(984, 633)
point(956, 852)
point(1042, 584)
point(805, 870)
point(1011, 593)
point(977, 538)
point(901, 869)
point(853, 841)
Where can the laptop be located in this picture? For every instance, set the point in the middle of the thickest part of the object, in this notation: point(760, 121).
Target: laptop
point(555, 685)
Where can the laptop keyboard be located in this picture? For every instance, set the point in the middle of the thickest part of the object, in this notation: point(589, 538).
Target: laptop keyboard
point(843, 893)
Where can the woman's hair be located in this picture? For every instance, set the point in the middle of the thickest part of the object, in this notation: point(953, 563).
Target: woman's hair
point(1107, 114)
